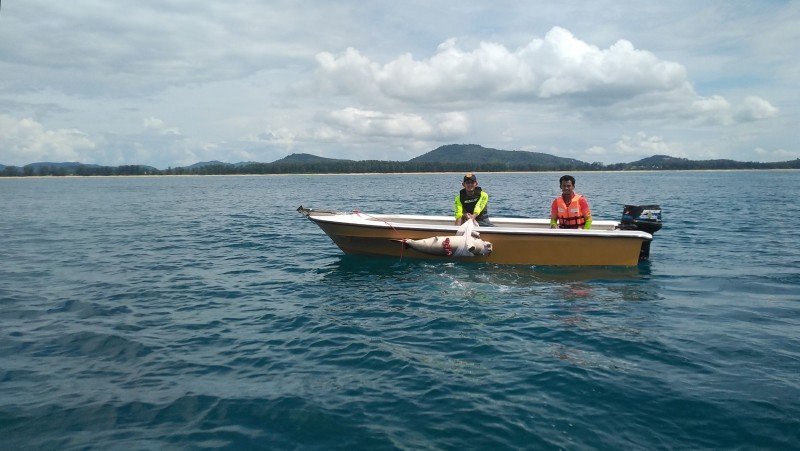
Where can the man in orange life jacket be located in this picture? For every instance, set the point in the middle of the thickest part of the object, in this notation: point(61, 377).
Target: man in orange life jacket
point(471, 202)
point(570, 210)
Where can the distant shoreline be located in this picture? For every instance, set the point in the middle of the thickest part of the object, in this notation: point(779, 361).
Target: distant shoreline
point(450, 158)
point(74, 176)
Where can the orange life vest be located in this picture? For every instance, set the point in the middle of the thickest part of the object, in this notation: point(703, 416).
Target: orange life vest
point(570, 216)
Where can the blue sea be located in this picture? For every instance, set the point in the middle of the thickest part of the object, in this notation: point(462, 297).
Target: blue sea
point(206, 313)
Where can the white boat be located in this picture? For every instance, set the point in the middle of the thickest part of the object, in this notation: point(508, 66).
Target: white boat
point(516, 241)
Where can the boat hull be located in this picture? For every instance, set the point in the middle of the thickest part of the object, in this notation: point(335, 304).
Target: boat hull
point(532, 245)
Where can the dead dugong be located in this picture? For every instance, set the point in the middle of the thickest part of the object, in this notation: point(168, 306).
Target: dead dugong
point(450, 245)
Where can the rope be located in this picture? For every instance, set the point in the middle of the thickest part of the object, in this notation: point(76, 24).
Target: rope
point(402, 240)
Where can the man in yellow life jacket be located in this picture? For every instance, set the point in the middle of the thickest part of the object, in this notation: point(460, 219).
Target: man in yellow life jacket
point(570, 210)
point(471, 202)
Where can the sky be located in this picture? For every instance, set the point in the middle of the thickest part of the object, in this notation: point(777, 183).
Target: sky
point(174, 82)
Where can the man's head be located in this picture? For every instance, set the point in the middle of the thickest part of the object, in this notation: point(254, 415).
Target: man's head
point(566, 177)
point(470, 181)
point(567, 184)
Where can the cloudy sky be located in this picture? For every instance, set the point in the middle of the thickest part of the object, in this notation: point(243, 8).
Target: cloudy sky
point(175, 82)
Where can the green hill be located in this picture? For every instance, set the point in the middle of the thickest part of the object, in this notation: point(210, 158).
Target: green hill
point(305, 158)
point(204, 164)
point(665, 162)
point(479, 155)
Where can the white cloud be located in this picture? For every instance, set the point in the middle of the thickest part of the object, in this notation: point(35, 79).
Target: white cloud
point(597, 151)
point(158, 126)
point(558, 65)
point(754, 109)
point(620, 81)
point(631, 148)
point(714, 109)
point(159, 144)
point(412, 126)
point(717, 110)
point(380, 124)
point(641, 144)
point(453, 125)
point(24, 141)
point(362, 131)
point(762, 154)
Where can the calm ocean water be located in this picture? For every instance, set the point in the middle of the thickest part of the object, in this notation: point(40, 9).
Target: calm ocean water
point(204, 312)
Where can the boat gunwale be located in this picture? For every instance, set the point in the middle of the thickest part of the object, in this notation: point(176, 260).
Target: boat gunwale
point(382, 221)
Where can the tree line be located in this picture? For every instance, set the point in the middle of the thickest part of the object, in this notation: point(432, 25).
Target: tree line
point(375, 166)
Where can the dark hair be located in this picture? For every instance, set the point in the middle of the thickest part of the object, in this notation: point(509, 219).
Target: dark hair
point(566, 177)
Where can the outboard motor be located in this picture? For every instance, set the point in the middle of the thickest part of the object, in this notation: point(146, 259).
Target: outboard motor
point(646, 218)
